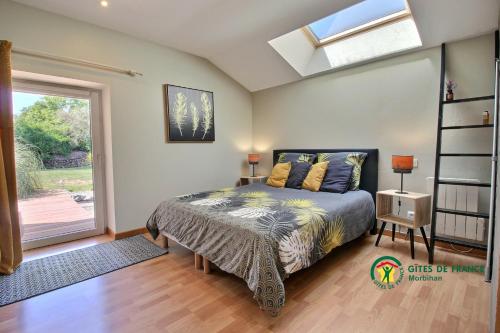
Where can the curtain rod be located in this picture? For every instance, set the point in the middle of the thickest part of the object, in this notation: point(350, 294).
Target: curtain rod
point(74, 61)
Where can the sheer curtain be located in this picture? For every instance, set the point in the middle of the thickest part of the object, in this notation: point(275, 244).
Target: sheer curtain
point(10, 235)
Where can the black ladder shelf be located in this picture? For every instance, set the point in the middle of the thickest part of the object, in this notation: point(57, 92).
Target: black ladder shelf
point(439, 154)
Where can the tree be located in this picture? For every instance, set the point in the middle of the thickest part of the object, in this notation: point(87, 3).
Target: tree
point(55, 126)
point(77, 117)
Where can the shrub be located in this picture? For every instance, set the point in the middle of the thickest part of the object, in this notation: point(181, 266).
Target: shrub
point(49, 142)
point(28, 163)
point(55, 125)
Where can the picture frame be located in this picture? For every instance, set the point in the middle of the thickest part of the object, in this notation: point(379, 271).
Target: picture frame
point(189, 114)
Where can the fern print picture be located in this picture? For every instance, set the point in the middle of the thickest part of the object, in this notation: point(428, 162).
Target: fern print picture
point(190, 114)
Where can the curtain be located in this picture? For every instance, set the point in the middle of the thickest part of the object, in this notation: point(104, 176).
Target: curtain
point(10, 234)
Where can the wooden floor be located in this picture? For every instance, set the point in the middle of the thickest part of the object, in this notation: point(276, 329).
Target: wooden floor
point(167, 294)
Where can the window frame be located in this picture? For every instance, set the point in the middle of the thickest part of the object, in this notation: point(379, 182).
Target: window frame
point(94, 96)
point(401, 15)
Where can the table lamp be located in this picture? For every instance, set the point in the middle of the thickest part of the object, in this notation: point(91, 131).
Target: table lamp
point(402, 164)
point(252, 160)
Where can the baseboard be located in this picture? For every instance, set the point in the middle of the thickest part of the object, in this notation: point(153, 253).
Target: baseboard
point(477, 253)
point(125, 234)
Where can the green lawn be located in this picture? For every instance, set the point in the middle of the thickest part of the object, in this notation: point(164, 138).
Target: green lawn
point(71, 179)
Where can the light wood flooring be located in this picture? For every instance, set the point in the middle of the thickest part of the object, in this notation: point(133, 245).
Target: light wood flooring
point(167, 294)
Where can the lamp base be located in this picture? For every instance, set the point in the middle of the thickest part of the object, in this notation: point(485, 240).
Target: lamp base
point(401, 190)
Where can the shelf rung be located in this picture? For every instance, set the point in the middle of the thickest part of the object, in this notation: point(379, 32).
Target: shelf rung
point(466, 127)
point(460, 242)
point(470, 99)
point(462, 212)
point(463, 183)
point(466, 154)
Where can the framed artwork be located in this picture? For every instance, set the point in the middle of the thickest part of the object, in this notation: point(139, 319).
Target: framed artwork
point(189, 114)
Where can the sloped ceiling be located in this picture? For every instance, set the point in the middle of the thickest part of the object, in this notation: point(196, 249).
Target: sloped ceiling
point(234, 34)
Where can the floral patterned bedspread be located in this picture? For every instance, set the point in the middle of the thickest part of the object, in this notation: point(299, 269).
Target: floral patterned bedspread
point(261, 233)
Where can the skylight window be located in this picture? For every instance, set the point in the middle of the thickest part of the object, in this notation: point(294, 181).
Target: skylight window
point(368, 30)
point(357, 18)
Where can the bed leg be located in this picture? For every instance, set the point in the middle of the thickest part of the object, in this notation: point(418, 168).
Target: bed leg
point(197, 261)
point(164, 241)
point(206, 265)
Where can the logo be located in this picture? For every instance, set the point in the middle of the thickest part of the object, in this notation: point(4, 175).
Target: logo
point(387, 272)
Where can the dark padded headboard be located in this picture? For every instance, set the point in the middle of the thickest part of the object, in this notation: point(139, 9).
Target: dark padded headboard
point(369, 171)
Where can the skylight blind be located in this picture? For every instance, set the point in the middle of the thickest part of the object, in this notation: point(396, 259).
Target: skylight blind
point(355, 16)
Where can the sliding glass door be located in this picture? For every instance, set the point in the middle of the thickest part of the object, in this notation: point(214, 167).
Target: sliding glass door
point(58, 166)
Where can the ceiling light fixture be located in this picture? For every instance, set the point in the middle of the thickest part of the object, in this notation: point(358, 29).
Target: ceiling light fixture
point(104, 3)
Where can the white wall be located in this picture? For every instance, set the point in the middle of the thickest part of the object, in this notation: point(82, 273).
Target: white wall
point(391, 105)
point(146, 170)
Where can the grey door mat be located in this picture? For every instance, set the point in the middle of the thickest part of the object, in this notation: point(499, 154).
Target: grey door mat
point(42, 275)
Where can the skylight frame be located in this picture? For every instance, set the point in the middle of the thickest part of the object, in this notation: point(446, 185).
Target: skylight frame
point(401, 15)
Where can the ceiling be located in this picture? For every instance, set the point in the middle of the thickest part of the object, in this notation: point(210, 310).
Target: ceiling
point(234, 34)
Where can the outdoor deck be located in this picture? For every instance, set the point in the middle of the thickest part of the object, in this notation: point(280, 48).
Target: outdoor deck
point(52, 215)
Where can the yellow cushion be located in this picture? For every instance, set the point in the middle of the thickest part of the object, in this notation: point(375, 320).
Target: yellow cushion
point(315, 176)
point(279, 175)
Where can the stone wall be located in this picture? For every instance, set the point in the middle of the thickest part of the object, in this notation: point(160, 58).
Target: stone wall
point(74, 160)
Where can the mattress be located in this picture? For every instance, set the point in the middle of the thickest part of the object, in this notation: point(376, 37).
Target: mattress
point(261, 233)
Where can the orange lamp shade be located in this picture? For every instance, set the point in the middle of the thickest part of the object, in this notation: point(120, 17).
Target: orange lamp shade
point(402, 163)
point(253, 158)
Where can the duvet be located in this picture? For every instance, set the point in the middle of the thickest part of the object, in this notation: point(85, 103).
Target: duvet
point(261, 233)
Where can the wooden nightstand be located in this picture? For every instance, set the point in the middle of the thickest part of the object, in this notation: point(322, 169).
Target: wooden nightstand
point(422, 209)
point(250, 180)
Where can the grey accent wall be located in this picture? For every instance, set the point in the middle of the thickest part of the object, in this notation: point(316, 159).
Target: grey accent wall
point(145, 169)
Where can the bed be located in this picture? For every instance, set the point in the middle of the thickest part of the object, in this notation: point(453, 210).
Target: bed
point(263, 234)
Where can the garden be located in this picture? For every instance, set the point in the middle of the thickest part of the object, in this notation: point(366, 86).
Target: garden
point(54, 166)
point(53, 146)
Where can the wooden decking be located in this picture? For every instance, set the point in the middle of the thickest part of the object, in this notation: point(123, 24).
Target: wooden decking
point(53, 214)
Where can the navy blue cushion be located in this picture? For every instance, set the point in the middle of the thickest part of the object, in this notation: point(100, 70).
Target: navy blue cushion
point(297, 174)
point(355, 158)
point(337, 177)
